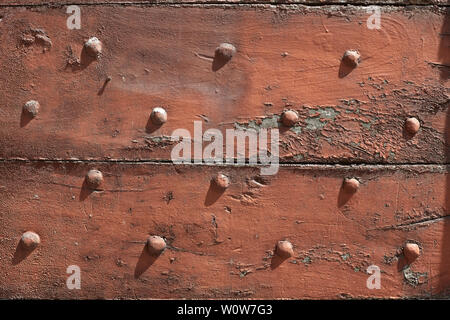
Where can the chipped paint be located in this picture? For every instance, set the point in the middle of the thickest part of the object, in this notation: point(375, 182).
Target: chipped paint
point(413, 278)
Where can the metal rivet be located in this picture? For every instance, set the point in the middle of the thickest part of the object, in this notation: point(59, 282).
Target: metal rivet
point(93, 47)
point(94, 178)
point(30, 239)
point(352, 58)
point(158, 116)
point(411, 251)
point(284, 249)
point(31, 108)
point(412, 125)
point(226, 51)
point(289, 118)
point(155, 245)
point(222, 181)
point(351, 185)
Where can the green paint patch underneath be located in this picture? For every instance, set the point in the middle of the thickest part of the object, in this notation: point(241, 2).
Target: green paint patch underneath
point(266, 123)
point(296, 129)
point(345, 256)
point(270, 122)
point(314, 123)
point(159, 139)
point(414, 278)
point(307, 260)
point(318, 121)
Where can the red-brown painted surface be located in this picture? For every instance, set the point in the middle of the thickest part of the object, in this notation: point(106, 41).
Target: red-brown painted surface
point(221, 241)
point(286, 59)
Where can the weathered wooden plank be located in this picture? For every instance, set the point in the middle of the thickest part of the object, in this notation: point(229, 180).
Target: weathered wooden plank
point(220, 245)
point(287, 58)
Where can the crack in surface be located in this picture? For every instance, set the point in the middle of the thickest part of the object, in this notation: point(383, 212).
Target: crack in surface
point(420, 223)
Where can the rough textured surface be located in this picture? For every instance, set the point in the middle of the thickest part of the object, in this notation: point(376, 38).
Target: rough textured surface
point(221, 242)
point(287, 58)
point(153, 2)
point(220, 245)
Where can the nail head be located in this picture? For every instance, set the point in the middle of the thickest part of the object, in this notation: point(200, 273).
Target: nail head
point(158, 116)
point(155, 245)
point(94, 178)
point(352, 57)
point(226, 50)
point(289, 118)
point(30, 239)
point(351, 185)
point(222, 181)
point(31, 108)
point(412, 125)
point(284, 249)
point(411, 251)
point(93, 47)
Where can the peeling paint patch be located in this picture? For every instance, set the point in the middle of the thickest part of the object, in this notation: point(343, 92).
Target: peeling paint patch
point(296, 129)
point(366, 125)
point(270, 122)
point(314, 123)
point(265, 123)
point(320, 117)
point(390, 260)
point(391, 156)
point(307, 260)
point(345, 256)
point(414, 278)
point(328, 113)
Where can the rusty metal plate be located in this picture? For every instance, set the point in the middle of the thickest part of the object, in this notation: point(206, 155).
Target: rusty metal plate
point(287, 57)
point(220, 244)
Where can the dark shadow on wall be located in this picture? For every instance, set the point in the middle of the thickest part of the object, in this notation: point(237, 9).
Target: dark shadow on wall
point(85, 191)
point(444, 69)
point(21, 253)
point(213, 194)
point(145, 261)
point(25, 118)
point(82, 63)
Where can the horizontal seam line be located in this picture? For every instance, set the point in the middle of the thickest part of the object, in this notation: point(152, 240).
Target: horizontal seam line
point(218, 3)
point(150, 161)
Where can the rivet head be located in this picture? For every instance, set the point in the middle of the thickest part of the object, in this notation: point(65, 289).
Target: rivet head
point(31, 108)
point(289, 118)
point(158, 116)
point(411, 251)
point(284, 249)
point(352, 58)
point(222, 181)
point(30, 239)
point(412, 125)
point(226, 51)
point(155, 245)
point(94, 178)
point(351, 185)
point(93, 47)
